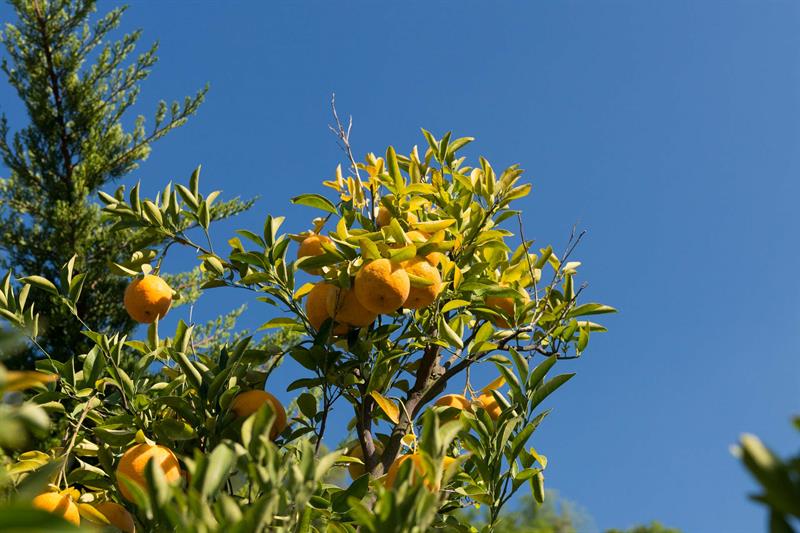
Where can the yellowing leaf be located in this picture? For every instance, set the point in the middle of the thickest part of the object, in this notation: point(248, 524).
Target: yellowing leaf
point(409, 439)
point(90, 513)
point(302, 291)
point(494, 385)
point(387, 406)
point(432, 226)
point(17, 380)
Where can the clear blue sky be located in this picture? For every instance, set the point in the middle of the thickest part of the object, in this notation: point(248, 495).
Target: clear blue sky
point(669, 130)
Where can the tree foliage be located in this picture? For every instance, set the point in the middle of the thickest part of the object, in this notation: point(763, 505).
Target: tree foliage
point(78, 87)
point(778, 478)
point(433, 221)
point(388, 371)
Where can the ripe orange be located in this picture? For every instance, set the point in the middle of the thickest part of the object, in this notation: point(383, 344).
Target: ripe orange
point(58, 504)
point(117, 515)
point(454, 400)
point(419, 469)
point(344, 307)
point(357, 470)
point(459, 401)
point(148, 297)
point(489, 403)
point(384, 217)
point(134, 461)
point(382, 286)
point(247, 403)
point(419, 297)
point(317, 308)
point(312, 245)
point(506, 304)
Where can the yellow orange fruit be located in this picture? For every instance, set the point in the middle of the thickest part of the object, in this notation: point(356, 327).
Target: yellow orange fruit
point(117, 516)
point(311, 246)
point(134, 461)
point(419, 469)
point(382, 286)
point(420, 297)
point(317, 308)
point(58, 504)
point(506, 304)
point(345, 308)
point(489, 403)
point(454, 400)
point(458, 401)
point(148, 297)
point(247, 403)
point(357, 470)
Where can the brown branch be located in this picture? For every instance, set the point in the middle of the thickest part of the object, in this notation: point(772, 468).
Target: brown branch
point(425, 387)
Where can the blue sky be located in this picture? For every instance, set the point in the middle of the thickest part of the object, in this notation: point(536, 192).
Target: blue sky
point(669, 130)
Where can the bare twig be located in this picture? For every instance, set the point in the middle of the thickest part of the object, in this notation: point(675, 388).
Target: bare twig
point(344, 143)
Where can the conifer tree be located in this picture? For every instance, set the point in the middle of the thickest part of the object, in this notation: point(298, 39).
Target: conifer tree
point(77, 86)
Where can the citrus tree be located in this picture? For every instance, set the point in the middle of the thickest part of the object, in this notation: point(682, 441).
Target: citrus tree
point(415, 271)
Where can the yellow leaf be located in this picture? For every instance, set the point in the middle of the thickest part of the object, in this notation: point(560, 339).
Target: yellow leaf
point(456, 277)
point(387, 406)
point(409, 439)
point(90, 513)
point(302, 291)
point(17, 380)
point(494, 385)
point(432, 226)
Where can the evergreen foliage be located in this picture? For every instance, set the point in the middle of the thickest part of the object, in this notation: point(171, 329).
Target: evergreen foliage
point(78, 86)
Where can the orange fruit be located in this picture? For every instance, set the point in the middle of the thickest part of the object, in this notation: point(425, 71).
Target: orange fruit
point(117, 516)
point(312, 245)
point(420, 297)
point(345, 308)
point(134, 461)
point(357, 470)
point(317, 308)
point(454, 400)
point(459, 401)
point(418, 469)
point(247, 403)
point(148, 297)
point(382, 286)
point(384, 217)
point(489, 403)
point(58, 504)
point(506, 304)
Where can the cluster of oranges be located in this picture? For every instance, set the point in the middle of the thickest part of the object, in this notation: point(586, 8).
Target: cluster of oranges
point(147, 298)
point(132, 466)
point(381, 286)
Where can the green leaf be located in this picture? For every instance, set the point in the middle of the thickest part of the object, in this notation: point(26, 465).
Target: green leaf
point(590, 309)
point(170, 428)
point(369, 250)
point(153, 213)
point(307, 404)
point(548, 388)
point(450, 335)
point(220, 462)
point(281, 322)
point(394, 170)
point(315, 200)
point(540, 372)
point(41, 283)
